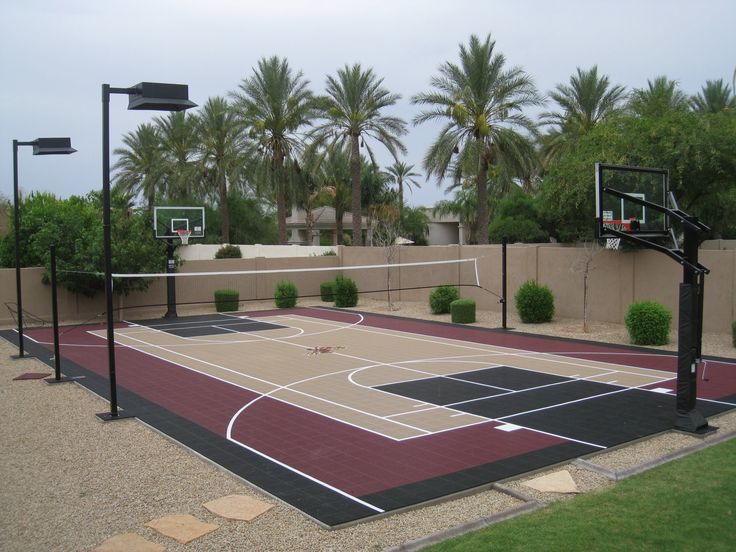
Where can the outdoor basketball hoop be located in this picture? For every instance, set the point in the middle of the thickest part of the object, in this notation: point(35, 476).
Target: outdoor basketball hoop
point(184, 236)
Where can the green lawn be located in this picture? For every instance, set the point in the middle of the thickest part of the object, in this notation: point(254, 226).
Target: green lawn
point(689, 504)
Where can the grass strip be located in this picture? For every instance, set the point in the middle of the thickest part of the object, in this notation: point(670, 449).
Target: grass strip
point(688, 504)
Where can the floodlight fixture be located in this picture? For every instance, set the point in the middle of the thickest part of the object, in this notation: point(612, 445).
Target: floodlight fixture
point(151, 96)
point(41, 146)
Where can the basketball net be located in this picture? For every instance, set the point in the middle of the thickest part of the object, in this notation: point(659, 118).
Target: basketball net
point(184, 236)
point(621, 226)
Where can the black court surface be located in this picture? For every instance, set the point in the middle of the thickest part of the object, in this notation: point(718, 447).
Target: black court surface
point(347, 415)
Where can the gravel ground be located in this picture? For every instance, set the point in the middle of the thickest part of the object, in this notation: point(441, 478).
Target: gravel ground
point(71, 481)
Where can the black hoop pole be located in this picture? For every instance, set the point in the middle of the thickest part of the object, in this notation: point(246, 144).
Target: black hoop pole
point(170, 280)
point(503, 283)
point(55, 315)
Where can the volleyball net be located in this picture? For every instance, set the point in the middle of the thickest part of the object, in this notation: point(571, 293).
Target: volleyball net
point(195, 290)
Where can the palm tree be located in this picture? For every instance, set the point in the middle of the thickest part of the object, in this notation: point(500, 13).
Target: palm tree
point(714, 97)
point(587, 100)
point(402, 175)
point(661, 96)
point(481, 103)
point(221, 153)
point(332, 170)
point(274, 105)
point(352, 111)
point(138, 169)
point(179, 144)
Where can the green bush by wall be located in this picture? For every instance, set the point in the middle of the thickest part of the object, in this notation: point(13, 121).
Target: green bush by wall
point(441, 297)
point(285, 294)
point(346, 292)
point(226, 300)
point(462, 311)
point(534, 303)
point(327, 291)
point(648, 323)
point(229, 252)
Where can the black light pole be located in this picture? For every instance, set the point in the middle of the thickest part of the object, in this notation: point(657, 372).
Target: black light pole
point(143, 96)
point(41, 146)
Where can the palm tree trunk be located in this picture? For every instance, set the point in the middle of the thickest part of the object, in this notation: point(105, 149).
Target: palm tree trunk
point(338, 225)
point(355, 175)
point(482, 187)
point(278, 177)
point(224, 209)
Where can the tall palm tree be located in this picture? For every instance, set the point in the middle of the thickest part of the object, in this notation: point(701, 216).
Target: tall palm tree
point(332, 169)
point(714, 97)
point(584, 102)
point(481, 102)
point(352, 111)
point(402, 175)
point(221, 153)
point(274, 105)
point(179, 144)
point(138, 169)
point(661, 96)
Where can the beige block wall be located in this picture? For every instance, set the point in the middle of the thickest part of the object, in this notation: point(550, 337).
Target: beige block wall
point(616, 279)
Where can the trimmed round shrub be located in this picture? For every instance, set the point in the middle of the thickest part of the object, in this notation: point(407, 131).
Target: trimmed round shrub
point(327, 291)
point(229, 252)
point(463, 311)
point(648, 323)
point(534, 303)
point(285, 294)
point(226, 300)
point(346, 292)
point(441, 297)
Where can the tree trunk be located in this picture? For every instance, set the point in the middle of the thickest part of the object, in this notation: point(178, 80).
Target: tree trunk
point(482, 237)
point(277, 174)
point(355, 175)
point(224, 209)
point(338, 226)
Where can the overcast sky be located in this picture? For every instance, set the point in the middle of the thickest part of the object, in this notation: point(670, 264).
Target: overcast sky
point(56, 54)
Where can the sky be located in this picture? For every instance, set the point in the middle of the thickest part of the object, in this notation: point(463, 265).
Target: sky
point(55, 55)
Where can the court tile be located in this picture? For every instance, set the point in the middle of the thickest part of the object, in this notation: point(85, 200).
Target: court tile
point(440, 391)
point(508, 377)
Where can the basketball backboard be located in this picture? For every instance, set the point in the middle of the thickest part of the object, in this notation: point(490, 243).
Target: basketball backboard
point(619, 212)
point(168, 220)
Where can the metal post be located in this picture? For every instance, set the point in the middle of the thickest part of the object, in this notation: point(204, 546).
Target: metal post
point(106, 235)
point(170, 280)
point(55, 321)
point(688, 417)
point(503, 283)
point(16, 215)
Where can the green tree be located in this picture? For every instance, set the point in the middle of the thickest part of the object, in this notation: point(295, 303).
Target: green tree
point(333, 171)
point(481, 102)
point(464, 206)
point(251, 220)
point(402, 175)
point(275, 104)
point(178, 141)
point(221, 154)
point(517, 220)
point(353, 112)
point(582, 104)
point(139, 168)
point(75, 226)
point(415, 225)
point(714, 97)
point(659, 98)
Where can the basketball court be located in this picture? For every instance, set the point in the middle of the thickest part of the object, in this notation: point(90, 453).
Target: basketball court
point(347, 415)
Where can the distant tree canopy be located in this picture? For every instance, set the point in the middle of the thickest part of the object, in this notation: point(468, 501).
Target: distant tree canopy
point(699, 150)
point(75, 226)
point(517, 220)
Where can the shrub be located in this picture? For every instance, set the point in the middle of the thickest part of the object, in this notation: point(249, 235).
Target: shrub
point(285, 294)
point(346, 292)
point(327, 291)
point(534, 303)
point(441, 297)
point(463, 311)
point(648, 323)
point(229, 252)
point(330, 253)
point(226, 300)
